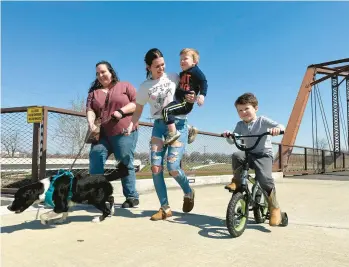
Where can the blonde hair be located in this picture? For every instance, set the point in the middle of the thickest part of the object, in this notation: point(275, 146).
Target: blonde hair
point(192, 52)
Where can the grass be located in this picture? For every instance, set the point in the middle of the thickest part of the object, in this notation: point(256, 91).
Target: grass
point(208, 170)
point(219, 167)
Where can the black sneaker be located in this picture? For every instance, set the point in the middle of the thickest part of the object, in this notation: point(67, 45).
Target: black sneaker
point(130, 203)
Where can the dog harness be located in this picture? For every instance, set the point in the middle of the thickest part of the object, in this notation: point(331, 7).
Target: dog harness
point(51, 189)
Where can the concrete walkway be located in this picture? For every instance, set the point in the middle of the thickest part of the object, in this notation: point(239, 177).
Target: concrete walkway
point(317, 235)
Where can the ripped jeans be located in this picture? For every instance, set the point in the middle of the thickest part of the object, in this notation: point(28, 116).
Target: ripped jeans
point(174, 155)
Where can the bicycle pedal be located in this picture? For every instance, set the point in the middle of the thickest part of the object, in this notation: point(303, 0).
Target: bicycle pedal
point(230, 191)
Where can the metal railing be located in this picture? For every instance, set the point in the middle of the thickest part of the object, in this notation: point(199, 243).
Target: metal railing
point(32, 151)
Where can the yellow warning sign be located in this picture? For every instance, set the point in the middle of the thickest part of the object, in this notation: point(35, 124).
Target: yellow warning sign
point(34, 114)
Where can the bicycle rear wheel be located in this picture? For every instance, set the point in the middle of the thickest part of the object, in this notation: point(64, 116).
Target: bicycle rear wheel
point(237, 214)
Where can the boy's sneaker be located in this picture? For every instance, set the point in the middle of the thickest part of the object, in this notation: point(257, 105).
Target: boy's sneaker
point(171, 137)
point(188, 203)
point(192, 133)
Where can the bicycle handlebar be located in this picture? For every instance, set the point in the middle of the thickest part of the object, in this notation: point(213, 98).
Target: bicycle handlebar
point(259, 137)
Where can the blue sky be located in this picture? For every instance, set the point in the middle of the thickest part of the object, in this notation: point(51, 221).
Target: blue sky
point(49, 50)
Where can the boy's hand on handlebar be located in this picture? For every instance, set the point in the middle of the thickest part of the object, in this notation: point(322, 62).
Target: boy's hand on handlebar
point(226, 134)
point(274, 131)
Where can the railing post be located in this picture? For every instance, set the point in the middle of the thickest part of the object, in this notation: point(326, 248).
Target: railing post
point(343, 160)
point(323, 163)
point(281, 158)
point(43, 144)
point(305, 159)
point(35, 152)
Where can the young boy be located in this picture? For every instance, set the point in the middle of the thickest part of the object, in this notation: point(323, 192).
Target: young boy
point(261, 158)
point(192, 80)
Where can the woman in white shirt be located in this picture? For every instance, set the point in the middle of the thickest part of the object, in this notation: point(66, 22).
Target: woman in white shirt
point(158, 90)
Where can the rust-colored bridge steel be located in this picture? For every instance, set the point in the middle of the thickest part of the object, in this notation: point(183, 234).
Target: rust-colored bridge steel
point(308, 82)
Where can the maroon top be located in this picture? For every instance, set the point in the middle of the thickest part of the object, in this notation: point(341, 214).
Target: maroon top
point(118, 96)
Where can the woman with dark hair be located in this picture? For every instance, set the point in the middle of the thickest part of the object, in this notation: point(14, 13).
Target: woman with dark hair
point(158, 90)
point(113, 102)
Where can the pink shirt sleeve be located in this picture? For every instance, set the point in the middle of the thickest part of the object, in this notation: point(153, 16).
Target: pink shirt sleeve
point(89, 102)
point(131, 93)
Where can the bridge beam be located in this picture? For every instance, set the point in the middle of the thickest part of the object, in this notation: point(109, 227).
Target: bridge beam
point(295, 119)
point(347, 85)
point(296, 116)
point(326, 71)
point(335, 119)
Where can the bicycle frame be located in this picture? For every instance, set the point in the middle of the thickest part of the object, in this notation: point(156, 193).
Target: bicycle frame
point(251, 195)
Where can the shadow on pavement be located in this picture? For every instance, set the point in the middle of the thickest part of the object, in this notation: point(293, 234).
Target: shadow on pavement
point(36, 224)
point(210, 227)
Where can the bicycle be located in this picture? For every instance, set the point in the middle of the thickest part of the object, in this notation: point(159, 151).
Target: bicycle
point(254, 200)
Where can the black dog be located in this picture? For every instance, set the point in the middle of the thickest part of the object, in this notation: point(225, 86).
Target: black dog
point(95, 190)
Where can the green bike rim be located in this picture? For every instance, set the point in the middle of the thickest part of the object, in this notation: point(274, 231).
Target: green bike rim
point(242, 223)
point(265, 209)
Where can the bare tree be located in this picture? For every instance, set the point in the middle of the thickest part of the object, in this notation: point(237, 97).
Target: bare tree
point(71, 130)
point(315, 154)
point(10, 142)
point(321, 144)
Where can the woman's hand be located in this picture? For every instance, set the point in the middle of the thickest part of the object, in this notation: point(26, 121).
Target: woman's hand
point(128, 130)
point(94, 133)
point(190, 97)
point(117, 115)
point(93, 127)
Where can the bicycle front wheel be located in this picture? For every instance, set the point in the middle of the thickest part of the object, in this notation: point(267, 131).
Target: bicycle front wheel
point(237, 214)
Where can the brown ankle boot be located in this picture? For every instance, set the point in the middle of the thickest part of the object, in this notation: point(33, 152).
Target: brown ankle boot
point(162, 214)
point(188, 201)
point(192, 133)
point(233, 185)
point(274, 209)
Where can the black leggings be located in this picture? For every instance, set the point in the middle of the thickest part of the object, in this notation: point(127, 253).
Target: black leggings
point(176, 108)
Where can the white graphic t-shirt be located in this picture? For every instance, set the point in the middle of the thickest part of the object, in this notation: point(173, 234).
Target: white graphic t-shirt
point(158, 93)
